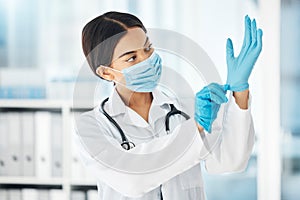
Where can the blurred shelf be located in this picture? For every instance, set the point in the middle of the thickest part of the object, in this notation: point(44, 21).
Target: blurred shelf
point(66, 108)
point(83, 183)
point(32, 103)
point(30, 180)
point(44, 104)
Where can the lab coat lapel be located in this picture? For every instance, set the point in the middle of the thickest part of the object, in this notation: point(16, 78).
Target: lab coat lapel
point(158, 109)
point(115, 105)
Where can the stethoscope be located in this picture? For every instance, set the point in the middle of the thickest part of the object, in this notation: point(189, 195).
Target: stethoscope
point(126, 144)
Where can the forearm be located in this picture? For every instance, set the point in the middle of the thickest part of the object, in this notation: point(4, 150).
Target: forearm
point(237, 139)
point(241, 98)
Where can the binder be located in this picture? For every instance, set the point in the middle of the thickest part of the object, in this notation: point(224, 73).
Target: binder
point(56, 144)
point(3, 194)
point(78, 195)
point(43, 144)
point(14, 194)
point(43, 195)
point(4, 153)
point(78, 172)
point(29, 194)
point(14, 144)
point(28, 143)
point(92, 195)
point(56, 194)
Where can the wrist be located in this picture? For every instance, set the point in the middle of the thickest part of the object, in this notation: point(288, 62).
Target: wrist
point(200, 128)
point(241, 98)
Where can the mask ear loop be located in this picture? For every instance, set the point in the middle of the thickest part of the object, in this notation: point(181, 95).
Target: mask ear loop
point(115, 81)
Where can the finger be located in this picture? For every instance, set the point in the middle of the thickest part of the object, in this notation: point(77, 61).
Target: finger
point(254, 33)
point(229, 49)
point(247, 33)
point(213, 92)
point(259, 40)
point(203, 94)
point(215, 109)
point(202, 105)
point(218, 98)
point(217, 88)
point(247, 36)
point(218, 95)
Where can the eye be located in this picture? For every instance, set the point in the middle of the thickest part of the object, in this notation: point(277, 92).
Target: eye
point(131, 59)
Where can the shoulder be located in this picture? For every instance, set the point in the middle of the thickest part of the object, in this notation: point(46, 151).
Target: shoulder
point(90, 122)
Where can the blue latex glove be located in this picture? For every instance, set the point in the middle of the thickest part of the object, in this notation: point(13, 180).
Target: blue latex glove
point(239, 68)
point(207, 104)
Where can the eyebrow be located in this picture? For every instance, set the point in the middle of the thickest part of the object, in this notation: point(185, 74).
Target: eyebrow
point(129, 52)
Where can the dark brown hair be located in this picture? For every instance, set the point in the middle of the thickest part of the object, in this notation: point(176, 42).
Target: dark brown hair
point(101, 35)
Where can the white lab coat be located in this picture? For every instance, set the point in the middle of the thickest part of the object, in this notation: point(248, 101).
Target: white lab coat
point(227, 149)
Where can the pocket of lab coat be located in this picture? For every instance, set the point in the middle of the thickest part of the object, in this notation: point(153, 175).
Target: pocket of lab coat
point(191, 178)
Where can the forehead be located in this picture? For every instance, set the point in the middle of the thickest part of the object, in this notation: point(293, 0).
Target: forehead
point(132, 40)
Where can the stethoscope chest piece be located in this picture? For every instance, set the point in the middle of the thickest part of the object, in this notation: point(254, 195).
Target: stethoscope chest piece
point(127, 145)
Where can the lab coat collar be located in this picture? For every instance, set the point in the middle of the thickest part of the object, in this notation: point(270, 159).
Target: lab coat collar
point(116, 106)
point(159, 98)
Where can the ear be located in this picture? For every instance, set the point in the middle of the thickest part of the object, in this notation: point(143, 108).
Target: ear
point(105, 73)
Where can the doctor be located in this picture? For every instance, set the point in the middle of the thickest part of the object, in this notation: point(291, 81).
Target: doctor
point(133, 118)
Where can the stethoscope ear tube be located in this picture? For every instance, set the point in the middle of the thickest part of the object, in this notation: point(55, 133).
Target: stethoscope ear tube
point(124, 139)
point(174, 111)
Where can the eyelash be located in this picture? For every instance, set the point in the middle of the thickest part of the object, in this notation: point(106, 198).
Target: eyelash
point(148, 49)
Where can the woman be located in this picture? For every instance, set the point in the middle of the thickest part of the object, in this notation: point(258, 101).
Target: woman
point(118, 49)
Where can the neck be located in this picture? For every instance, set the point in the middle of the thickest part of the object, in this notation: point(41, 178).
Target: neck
point(134, 99)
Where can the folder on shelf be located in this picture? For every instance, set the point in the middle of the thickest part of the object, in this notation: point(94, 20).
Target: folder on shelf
point(3, 194)
point(43, 144)
point(14, 194)
point(78, 195)
point(28, 143)
point(14, 144)
point(4, 153)
point(78, 171)
point(43, 194)
point(92, 195)
point(30, 194)
point(56, 194)
point(56, 144)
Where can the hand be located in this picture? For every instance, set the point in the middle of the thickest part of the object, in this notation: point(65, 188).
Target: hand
point(239, 68)
point(207, 104)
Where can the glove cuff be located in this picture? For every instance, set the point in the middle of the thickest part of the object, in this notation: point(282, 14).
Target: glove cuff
point(239, 88)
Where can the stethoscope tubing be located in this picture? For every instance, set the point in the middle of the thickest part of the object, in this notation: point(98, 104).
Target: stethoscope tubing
point(126, 144)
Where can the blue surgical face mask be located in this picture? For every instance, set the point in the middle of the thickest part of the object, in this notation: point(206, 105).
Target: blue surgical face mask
point(143, 76)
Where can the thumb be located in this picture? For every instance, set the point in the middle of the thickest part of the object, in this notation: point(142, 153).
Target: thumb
point(229, 50)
